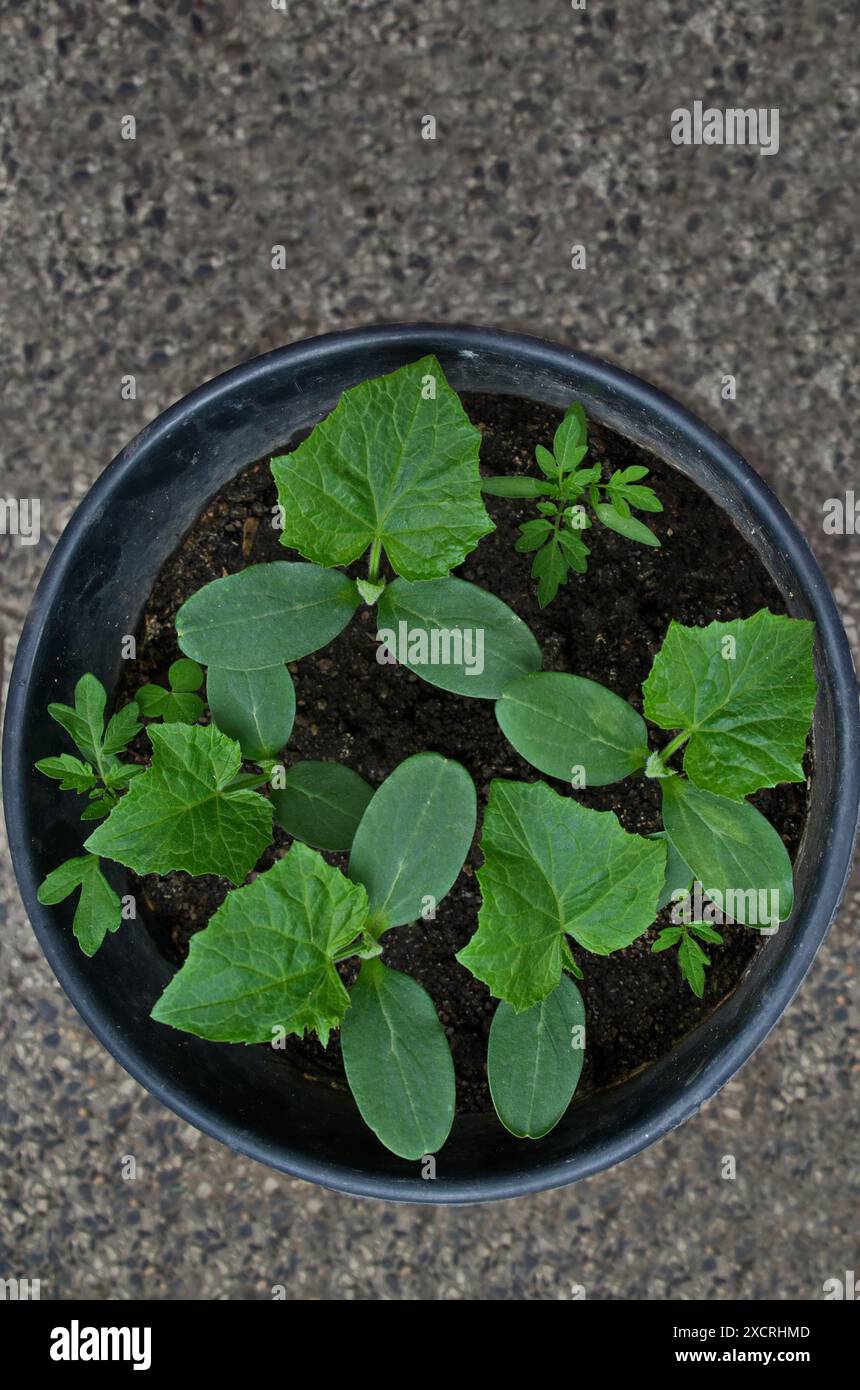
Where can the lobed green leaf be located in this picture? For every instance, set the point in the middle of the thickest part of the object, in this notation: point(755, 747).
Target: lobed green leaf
point(181, 814)
point(121, 729)
point(265, 962)
point(533, 534)
point(748, 713)
point(546, 463)
point(573, 549)
point(553, 867)
point(394, 467)
point(84, 723)
point(549, 568)
point(693, 962)
point(668, 937)
point(99, 910)
point(71, 773)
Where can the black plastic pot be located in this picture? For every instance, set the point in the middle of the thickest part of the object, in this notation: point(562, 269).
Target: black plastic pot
point(93, 592)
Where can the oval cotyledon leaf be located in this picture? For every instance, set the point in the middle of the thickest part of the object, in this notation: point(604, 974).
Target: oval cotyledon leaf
point(398, 1062)
point(413, 838)
point(735, 854)
point(572, 728)
point(257, 708)
point(322, 804)
point(456, 636)
point(534, 1060)
point(265, 615)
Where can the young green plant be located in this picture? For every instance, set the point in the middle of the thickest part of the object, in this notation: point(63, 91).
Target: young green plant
point(552, 870)
point(265, 966)
point(178, 703)
point(391, 473)
point(555, 536)
point(738, 697)
point(100, 776)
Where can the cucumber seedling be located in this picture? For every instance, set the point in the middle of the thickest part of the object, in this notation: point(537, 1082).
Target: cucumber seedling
point(552, 869)
point(738, 697)
point(265, 966)
point(391, 473)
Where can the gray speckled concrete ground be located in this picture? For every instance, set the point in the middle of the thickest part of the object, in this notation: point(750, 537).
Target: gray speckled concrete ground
point(152, 257)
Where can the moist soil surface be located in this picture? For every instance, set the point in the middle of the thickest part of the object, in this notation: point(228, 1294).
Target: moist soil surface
point(606, 625)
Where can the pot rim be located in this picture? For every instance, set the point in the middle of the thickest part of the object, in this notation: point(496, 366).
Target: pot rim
point(809, 931)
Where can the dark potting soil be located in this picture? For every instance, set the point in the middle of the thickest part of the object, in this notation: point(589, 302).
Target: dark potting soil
point(606, 625)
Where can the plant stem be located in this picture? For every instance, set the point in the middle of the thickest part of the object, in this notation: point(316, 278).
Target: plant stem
point(560, 506)
point(247, 782)
point(656, 764)
point(677, 742)
point(373, 563)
